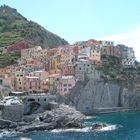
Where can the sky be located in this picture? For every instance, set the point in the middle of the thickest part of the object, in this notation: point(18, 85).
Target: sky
point(79, 20)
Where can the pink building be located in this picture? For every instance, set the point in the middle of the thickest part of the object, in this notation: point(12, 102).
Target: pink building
point(65, 84)
point(32, 84)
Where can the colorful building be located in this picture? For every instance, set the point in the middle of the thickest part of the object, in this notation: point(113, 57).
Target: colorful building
point(18, 82)
point(111, 51)
point(128, 56)
point(31, 84)
point(95, 55)
point(52, 82)
point(65, 84)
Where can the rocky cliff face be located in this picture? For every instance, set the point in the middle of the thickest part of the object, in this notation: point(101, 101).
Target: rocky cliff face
point(91, 95)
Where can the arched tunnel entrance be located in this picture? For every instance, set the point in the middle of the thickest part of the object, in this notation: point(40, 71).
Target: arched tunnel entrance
point(32, 107)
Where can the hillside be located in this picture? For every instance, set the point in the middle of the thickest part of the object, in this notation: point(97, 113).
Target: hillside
point(15, 28)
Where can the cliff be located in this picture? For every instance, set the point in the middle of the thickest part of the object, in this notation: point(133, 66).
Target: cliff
point(91, 95)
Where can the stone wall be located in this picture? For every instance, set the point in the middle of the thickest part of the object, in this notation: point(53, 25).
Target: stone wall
point(13, 112)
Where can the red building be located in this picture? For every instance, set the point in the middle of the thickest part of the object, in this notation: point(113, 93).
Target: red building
point(17, 47)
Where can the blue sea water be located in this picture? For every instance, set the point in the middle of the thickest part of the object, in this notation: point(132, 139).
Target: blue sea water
point(127, 127)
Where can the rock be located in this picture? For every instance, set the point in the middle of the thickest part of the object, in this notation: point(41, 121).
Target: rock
point(29, 118)
point(37, 127)
point(64, 116)
point(7, 124)
point(22, 123)
point(98, 126)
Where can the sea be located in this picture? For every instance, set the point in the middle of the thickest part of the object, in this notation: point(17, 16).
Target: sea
point(120, 126)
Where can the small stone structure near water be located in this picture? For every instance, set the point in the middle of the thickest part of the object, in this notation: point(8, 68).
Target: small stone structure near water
point(13, 112)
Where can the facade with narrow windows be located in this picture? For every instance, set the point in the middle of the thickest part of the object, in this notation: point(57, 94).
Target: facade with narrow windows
point(84, 69)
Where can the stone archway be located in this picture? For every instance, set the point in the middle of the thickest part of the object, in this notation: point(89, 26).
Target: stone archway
point(33, 107)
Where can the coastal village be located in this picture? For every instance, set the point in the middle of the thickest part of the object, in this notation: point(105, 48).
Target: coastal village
point(56, 70)
point(50, 89)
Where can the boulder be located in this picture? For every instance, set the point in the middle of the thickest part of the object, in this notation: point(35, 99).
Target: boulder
point(64, 116)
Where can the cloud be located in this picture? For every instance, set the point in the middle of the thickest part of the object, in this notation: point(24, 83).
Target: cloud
point(131, 39)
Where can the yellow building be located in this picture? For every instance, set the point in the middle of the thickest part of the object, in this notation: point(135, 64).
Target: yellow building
point(52, 82)
point(95, 54)
point(19, 80)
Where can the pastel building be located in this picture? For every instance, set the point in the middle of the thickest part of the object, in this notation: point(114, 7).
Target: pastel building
point(68, 69)
point(31, 84)
point(19, 80)
point(124, 50)
point(30, 53)
point(43, 82)
point(106, 43)
point(111, 51)
point(95, 54)
point(128, 62)
point(65, 84)
point(52, 82)
point(128, 56)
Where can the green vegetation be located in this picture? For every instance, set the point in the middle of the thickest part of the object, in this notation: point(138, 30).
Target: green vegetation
point(113, 71)
point(15, 28)
point(8, 59)
point(1, 107)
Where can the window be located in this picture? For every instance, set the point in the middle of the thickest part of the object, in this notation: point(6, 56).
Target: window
point(38, 100)
point(44, 99)
point(65, 85)
point(65, 89)
point(69, 85)
point(31, 100)
point(0, 81)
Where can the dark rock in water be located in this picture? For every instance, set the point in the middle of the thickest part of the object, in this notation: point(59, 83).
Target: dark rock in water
point(98, 126)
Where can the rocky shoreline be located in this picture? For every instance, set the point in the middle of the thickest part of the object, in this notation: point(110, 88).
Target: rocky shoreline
point(61, 117)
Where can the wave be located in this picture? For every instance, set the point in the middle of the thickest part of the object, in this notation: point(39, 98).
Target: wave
point(90, 117)
point(7, 133)
point(88, 129)
point(108, 128)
